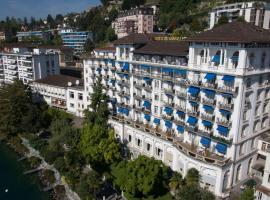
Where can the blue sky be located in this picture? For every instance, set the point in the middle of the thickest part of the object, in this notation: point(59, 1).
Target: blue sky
point(41, 8)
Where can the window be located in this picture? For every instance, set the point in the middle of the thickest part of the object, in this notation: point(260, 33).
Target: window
point(248, 82)
point(159, 152)
point(71, 105)
point(138, 142)
point(263, 60)
point(238, 173)
point(251, 60)
point(129, 138)
point(71, 95)
point(245, 115)
point(52, 63)
point(260, 80)
point(156, 97)
point(256, 126)
point(156, 109)
point(156, 84)
point(241, 149)
point(80, 96)
point(244, 131)
point(148, 147)
point(265, 107)
point(269, 178)
point(235, 59)
point(259, 95)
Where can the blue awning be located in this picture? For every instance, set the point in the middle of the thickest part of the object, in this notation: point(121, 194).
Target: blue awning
point(168, 110)
point(120, 110)
point(235, 58)
point(221, 148)
point(228, 78)
point(209, 92)
point(147, 117)
point(178, 112)
point(223, 130)
point(180, 129)
point(192, 120)
point(226, 94)
point(206, 142)
point(145, 66)
point(210, 76)
point(225, 112)
point(207, 123)
point(157, 121)
point(112, 81)
point(208, 108)
point(98, 69)
point(193, 103)
point(146, 104)
point(216, 58)
point(167, 70)
point(193, 90)
point(125, 75)
point(180, 71)
point(125, 111)
point(168, 124)
point(126, 66)
point(147, 79)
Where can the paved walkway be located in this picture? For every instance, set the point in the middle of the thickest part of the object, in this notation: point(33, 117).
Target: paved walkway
point(71, 195)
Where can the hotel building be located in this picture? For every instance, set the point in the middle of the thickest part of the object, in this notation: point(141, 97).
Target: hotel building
point(201, 103)
point(38, 34)
point(257, 13)
point(136, 20)
point(28, 66)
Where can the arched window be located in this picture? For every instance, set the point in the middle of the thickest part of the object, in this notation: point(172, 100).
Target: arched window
point(249, 166)
point(216, 58)
point(235, 59)
point(203, 56)
point(244, 131)
point(264, 122)
point(256, 126)
point(238, 173)
point(251, 60)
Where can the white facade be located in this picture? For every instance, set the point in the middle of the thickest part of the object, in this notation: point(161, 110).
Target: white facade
point(29, 66)
point(76, 99)
point(257, 13)
point(207, 114)
point(137, 20)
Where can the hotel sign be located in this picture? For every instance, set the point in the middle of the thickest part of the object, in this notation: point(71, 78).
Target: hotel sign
point(168, 38)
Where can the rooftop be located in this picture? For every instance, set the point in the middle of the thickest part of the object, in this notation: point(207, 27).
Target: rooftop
point(58, 80)
point(167, 48)
point(106, 49)
point(240, 32)
point(137, 38)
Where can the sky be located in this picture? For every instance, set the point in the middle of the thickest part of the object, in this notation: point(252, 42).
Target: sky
point(41, 8)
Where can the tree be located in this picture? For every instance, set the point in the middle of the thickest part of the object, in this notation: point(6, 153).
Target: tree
point(16, 109)
point(248, 194)
point(128, 4)
point(222, 20)
point(50, 21)
point(141, 177)
point(192, 177)
point(110, 35)
point(59, 18)
point(176, 182)
point(89, 45)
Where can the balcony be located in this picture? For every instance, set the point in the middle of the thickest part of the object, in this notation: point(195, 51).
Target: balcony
point(227, 89)
point(167, 117)
point(168, 103)
point(193, 112)
point(179, 121)
point(194, 98)
point(209, 85)
point(138, 85)
point(208, 133)
point(179, 107)
point(191, 128)
point(147, 87)
point(181, 94)
point(225, 106)
point(169, 91)
point(195, 83)
point(209, 101)
point(208, 117)
point(223, 122)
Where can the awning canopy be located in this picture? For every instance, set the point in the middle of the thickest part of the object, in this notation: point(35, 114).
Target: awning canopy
point(145, 66)
point(146, 104)
point(126, 66)
point(223, 130)
point(193, 103)
point(221, 148)
point(147, 117)
point(205, 142)
point(168, 110)
point(226, 95)
point(210, 76)
point(168, 124)
point(225, 112)
point(216, 58)
point(235, 58)
point(180, 129)
point(192, 120)
point(167, 70)
point(125, 111)
point(181, 113)
point(193, 90)
point(208, 108)
point(147, 79)
point(209, 92)
point(228, 78)
point(157, 121)
point(180, 71)
point(207, 123)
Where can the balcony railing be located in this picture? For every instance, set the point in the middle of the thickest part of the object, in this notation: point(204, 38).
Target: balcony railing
point(209, 101)
point(194, 98)
point(208, 117)
point(226, 106)
point(210, 85)
point(223, 122)
point(187, 149)
point(181, 94)
point(167, 117)
point(193, 112)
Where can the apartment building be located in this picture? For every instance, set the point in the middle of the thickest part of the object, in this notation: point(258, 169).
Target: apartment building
point(53, 90)
point(261, 169)
point(2, 35)
point(136, 20)
point(28, 65)
point(202, 103)
point(75, 39)
point(2, 78)
point(257, 13)
point(38, 34)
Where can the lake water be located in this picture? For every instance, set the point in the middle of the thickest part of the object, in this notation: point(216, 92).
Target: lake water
point(20, 187)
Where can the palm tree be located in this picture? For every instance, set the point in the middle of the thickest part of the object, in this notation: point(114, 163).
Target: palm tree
point(192, 177)
point(176, 183)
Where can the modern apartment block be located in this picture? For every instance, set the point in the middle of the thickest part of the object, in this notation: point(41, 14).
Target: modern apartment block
point(2, 35)
point(257, 13)
point(29, 66)
point(74, 39)
point(26, 34)
point(136, 20)
point(202, 103)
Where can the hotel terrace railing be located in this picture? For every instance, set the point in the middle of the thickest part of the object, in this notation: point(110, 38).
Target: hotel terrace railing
point(225, 106)
point(187, 149)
